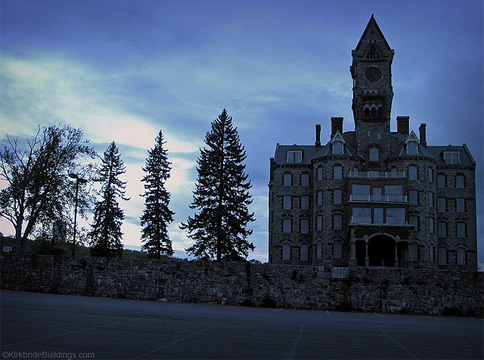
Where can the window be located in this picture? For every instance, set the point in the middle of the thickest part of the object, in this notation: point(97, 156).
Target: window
point(304, 179)
point(361, 215)
point(441, 205)
point(461, 257)
point(319, 250)
point(395, 216)
point(337, 222)
point(374, 154)
point(337, 196)
point(377, 193)
point(304, 202)
point(442, 256)
point(319, 222)
point(461, 229)
point(338, 249)
point(355, 172)
point(286, 252)
point(360, 192)
point(320, 197)
point(287, 202)
point(412, 148)
point(294, 156)
point(338, 172)
point(304, 252)
point(412, 173)
point(413, 220)
point(374, 174)
point(378, 215)
point(393, 172)
point(287, 179)
point(304, 226)
point(338, 148)
point(460, 205)
point(460, 181)
point(452, 157)
point(431, 252)
point(372, 53)
point(320, 173)
point(394, 192)
point(431, 225)
point(441, 181)
point(413, 197)
point(441, 229)
point(431, 175)
point(431, 199)
point(287, 226)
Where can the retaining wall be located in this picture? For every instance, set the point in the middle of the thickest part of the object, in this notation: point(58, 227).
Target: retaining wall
point(302, 287)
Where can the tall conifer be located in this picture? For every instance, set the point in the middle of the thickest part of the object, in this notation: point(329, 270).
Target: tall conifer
point(108, 216)
point(221, 197)
point(156, 216)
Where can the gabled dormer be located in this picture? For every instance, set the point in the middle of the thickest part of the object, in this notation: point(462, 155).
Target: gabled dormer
point(411, 144)
point(338, 144)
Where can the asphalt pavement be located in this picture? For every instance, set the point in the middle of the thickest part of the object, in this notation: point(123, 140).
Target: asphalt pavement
point(46, 326)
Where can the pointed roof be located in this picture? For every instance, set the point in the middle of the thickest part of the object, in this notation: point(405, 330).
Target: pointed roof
point(372, 33)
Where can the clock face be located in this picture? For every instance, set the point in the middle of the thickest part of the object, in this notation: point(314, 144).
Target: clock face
point(373, 74)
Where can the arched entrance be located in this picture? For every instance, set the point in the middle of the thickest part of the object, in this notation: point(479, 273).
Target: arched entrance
point(381, 251)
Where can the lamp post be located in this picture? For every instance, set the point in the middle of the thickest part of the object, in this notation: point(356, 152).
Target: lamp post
point(82, 181)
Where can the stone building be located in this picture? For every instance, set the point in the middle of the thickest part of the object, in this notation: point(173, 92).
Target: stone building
point(372, 197)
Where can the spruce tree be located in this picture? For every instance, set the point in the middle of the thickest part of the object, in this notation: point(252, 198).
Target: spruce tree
point(221, 197)
point(108, 216)
point(156, 216)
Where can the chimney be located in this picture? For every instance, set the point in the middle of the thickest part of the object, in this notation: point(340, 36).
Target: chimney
point(336, 125)
point(318, 136)
point(402, 124)
point(423, 135)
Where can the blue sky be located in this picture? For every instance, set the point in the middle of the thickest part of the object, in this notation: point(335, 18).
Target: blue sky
point(123, 70)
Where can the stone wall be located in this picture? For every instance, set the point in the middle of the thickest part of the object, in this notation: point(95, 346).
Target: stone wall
point(302, 287)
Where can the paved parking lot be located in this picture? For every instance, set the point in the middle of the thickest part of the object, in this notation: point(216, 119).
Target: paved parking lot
point(61, 327)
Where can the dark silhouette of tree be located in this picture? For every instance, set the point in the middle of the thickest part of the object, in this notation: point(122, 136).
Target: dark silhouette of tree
point(156, 216)
point(108, 216)
point(39, 191)
point(221, 197)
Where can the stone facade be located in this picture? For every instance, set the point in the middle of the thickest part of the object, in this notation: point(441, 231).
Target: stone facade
point(372, 197)
point(301, 287)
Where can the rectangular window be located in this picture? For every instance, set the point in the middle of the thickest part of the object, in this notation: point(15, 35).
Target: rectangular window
point(304, 179)
point(377, 194)
point(338, 249)
point(395, 216)
point(431, 199)
point(338, 172)
point(442, 256)
point(338, 222)
point(304, 202)
point(378, 215)
point(304, 253)
point(374, 154)
point(286, 252)
point(460, 204)
point(441, 204)
point(441, 229)
point(413, 220)
point(319, 222)
point(287, 226)
point(431, 252)
point(287, 180)
point(461, 229)
point(461, 257)
point(362, 215)
point(287, 202)
point(413, 197)
point(319, 250)
point(412, 173)
point(337, 196)
point(374, 174)
point(431, 175)
point(452, 157)
point(360, 192)
point(338, 148)
point(294, 156)
point(320, 197)
point(459, 181)
point(304, 226)
point(320, 173)
point(431, 225)
point(441, 181)
point(412, 147)
point(394, 192)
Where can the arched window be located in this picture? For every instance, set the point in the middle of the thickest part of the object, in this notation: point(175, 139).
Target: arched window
point(374, 154)
point(373, 53)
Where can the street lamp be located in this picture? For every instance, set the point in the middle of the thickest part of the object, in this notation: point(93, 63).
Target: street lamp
point(82, 181)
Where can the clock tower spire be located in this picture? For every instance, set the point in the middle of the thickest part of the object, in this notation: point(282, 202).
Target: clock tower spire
point(372, 90)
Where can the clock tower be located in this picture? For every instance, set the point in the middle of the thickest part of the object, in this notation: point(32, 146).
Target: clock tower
point(372, 92)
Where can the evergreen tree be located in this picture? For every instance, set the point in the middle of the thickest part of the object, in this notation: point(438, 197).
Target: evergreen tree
point(156, 215)
point(221, 197)
point(108, 216)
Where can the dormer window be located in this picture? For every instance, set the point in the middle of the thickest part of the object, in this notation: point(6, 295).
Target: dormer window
point(412, 148)
point(374, 154)
point(373, 52)
point(338, 148)
point(452, 157)
point(294, 156)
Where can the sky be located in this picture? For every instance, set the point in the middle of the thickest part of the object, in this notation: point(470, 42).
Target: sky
point(123, 70)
